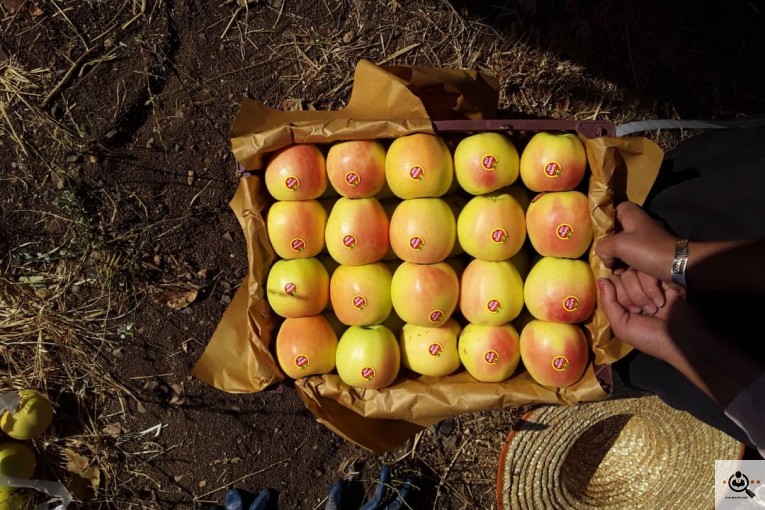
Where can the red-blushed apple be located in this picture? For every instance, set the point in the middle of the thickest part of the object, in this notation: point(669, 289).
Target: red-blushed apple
point(419, 166)
point(489, 353)
point(306, 346)
point(553, 162)
point(430, 351)
point(357, 231)
point(491, 293)
point(520, 194)
point(297, 288)
point(296, 228)
point(360, 295)
point(485, 162)
point(425, 294)
point(560, 290)
point(368, 357)
point(555, 354)
point(422, 230)
point(492, 227)
point(356, 169)
point(559, 224)
point(296, 172)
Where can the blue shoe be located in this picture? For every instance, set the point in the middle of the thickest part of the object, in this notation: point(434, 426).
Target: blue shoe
point(265, 500)
point(336, 497)
point(405, 495)
point(234, 500)
point(381, 490)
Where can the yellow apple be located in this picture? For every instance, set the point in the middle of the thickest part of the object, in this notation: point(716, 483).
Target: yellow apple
point(422, 230)
point(560, 290)
point(430, 351)
point(419, 166)
point(553, 162)
point(485, 162)
point(297, 288)
point(491, 292)
point(368, 357)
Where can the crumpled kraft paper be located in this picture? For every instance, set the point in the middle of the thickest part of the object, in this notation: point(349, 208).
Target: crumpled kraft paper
point(388, 103)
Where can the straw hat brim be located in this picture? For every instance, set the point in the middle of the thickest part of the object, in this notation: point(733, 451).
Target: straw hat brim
point(621, 453)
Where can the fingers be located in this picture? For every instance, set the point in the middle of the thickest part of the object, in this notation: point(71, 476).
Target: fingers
point(630, 216)
point(653, 288)
point(608, 250)
point(640, 331)
point(639, 296)
point(622, 296)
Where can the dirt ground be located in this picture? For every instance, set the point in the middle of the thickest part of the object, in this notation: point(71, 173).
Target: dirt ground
point(116, 177)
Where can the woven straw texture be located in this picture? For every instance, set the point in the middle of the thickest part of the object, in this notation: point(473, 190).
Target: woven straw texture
point(626, 453)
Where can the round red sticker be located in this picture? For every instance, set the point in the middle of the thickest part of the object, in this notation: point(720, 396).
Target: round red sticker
point(349, 241)
point(491, 357)
point(368, 373)
point(499, 235)
point(359, 302)
point(290, 288)
point(416, 243)
point(560, 363)
point(297, 245)
point(436, 316)
point(417, 172)
point(292, 182)
point(571, 304)
point(435, 350)
point(302, 361)
point(494, 305)
point(489, 162)
point(352, 179)
point(564, 231)
point(553, 169)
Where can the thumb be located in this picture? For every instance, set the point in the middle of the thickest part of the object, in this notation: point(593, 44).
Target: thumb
point(608, 249)
point(617, 315)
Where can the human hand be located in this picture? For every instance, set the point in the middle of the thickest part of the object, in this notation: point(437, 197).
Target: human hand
point(638, 292)
point(642, 243)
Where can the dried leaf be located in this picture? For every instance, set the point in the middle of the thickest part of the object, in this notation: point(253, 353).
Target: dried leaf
point(37, 12)
point(202, 484)
point(84, 485)
point(12, 5)
point(178, 300)
point(115, 429)
point(140, 408)
point(76, 463)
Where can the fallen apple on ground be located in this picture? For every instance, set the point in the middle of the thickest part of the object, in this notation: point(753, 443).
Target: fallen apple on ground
point(555, 354)
point(485, 162)
point(425, 295)
point(368, 357)
point(489, 353)
point(306, 346)
point(297, 172)
point(356, 169)
point(419, 166)
point(357, 231)
point(553, 162)
point(297, 288)
point(559, 224)
point(31, 419)
point(296, 228)
point(422, 230)
point(430, 351)
point(560, 290)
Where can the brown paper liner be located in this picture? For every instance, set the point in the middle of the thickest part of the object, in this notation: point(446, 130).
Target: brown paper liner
point(387, 103)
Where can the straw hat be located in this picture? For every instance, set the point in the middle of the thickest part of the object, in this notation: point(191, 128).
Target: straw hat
point(622, 453)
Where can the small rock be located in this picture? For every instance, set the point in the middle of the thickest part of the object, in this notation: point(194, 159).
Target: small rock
point(202, 484)
point(348, 37)
point(451, 442)
point(227, 237)
point(446, 427)
point(177, 147)
point(225, 299)
point(150, 142)
point(74, 158)
point(111, 134)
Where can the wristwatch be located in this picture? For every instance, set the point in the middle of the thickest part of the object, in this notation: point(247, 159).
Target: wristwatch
point(680, 263)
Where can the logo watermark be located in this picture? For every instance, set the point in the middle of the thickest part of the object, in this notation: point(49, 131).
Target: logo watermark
point(739, 484)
